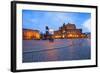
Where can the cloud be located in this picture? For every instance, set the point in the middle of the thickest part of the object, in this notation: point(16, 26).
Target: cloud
point(87, 25)
point(33, 20)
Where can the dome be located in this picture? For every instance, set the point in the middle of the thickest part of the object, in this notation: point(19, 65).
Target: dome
point(70, 26)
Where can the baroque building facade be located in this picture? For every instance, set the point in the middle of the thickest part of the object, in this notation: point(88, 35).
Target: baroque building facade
point(29, 34)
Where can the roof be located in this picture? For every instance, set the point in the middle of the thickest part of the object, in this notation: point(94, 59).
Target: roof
point(30, 30)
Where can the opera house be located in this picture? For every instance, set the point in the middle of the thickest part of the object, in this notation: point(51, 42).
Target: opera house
point(69, 31)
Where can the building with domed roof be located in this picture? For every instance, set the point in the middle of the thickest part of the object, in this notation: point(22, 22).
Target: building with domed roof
point(69, 31)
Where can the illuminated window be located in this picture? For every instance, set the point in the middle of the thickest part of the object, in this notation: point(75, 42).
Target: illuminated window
point(63, 36)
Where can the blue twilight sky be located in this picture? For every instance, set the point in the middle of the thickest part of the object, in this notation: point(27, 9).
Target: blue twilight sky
point(37, 20)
